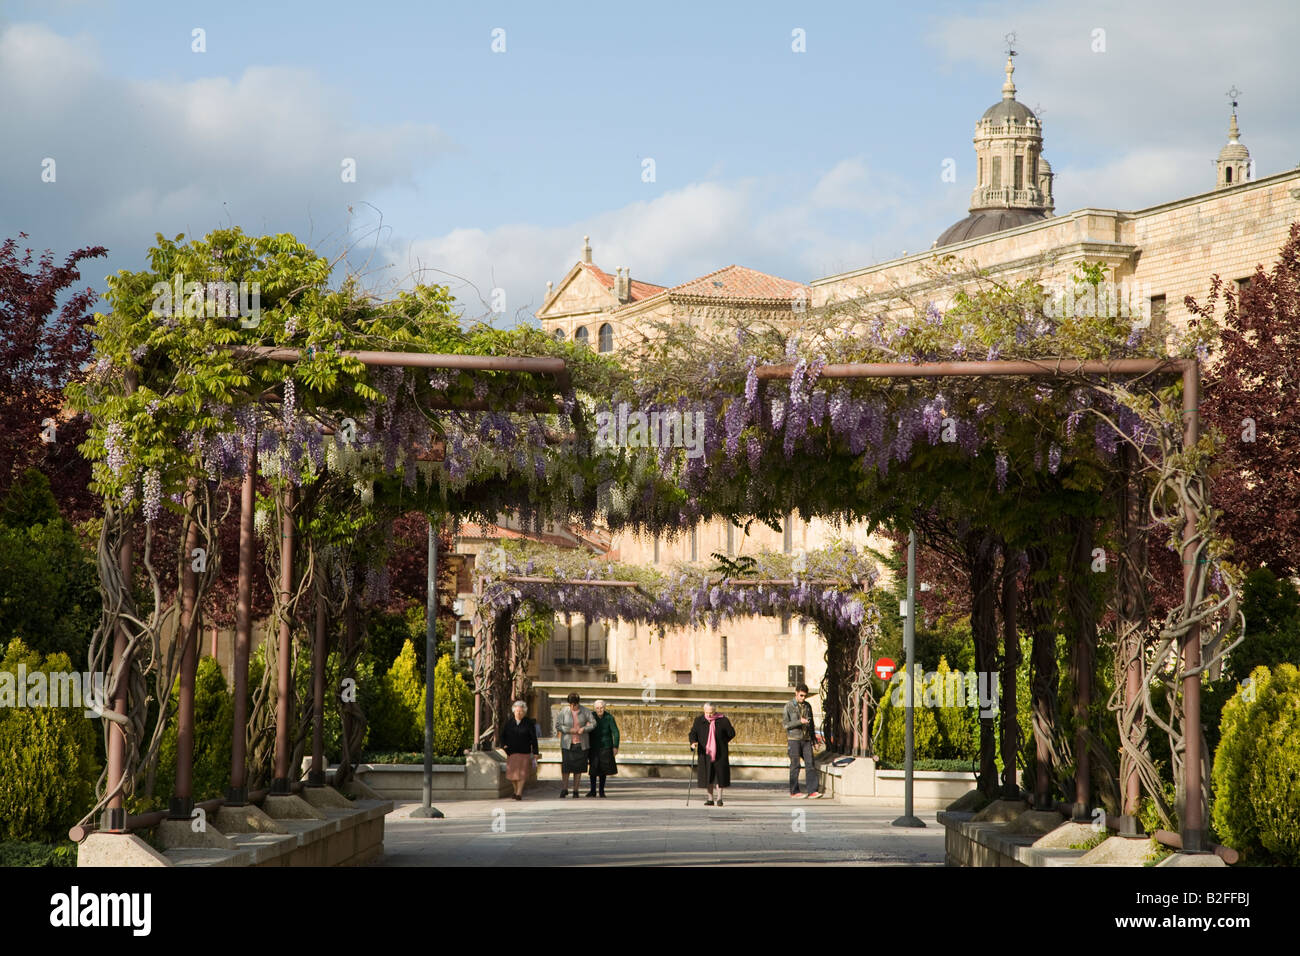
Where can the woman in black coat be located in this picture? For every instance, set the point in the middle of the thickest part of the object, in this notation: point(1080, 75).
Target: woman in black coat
point(519, 739)
point(709, 738)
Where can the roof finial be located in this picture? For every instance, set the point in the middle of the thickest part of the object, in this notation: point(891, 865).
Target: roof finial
point(586, 248)
point(1233, 132)
point(1009, 87)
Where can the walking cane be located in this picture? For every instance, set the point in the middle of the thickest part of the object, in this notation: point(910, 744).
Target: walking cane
point(690, 780)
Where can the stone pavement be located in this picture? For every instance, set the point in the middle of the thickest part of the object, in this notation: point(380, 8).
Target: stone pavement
point(646, 822)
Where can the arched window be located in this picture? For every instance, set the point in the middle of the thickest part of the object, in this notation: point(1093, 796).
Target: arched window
point(580, 335)
point(559, 335)
point(1227, 174)
point(607, 338)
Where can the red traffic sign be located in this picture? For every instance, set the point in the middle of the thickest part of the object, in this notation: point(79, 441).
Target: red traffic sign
point(885, 668)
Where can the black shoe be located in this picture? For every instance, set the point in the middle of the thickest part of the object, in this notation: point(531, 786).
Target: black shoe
point(719, 802)
point(591, 793)
point(708, 803)
point(602, 793)
point(565, 793)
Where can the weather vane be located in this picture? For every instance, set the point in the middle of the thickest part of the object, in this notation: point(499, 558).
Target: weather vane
point(1011, 42)
point(1232, 94)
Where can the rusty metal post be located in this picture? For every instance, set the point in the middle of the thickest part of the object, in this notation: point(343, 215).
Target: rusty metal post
point(1193, 822)
point(316, 776)
point(237, 795)
point(187, 631)
point(114, 816)
point(284, 688)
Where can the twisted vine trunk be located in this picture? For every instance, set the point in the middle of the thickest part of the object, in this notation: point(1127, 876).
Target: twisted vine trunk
point(1132, 609)
point(1045, 681)
point(1082, 623)
point(981, 560)
point(1010, 661)
point(352, 716)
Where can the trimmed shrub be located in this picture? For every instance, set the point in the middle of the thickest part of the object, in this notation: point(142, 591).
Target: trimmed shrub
point(453, 721)
point(891, 719)
point(397, 722)
point(47, 757)
point(214, 720)
point(1257, 768)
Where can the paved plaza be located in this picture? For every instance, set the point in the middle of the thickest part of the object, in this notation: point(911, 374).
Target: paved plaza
point(646, 822)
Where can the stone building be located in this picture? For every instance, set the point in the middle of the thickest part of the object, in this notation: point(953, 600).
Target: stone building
point(1156, 256)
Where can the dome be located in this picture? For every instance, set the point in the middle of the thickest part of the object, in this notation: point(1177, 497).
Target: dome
point(987, 221)
point(1003, 112)
point(1234, 151)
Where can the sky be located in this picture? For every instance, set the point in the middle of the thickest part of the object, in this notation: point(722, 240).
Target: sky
point(488, 138)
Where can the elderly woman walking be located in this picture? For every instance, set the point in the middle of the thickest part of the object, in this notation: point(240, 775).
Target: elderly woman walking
point(573, 725)
point(604, 748)
point(519, 739)
point(710, 735)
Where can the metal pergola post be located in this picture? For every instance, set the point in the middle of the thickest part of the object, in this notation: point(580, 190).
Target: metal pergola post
point(1193, 819)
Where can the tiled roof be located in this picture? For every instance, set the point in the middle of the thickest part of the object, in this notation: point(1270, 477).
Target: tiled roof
point(638, 290)
point(737, 282)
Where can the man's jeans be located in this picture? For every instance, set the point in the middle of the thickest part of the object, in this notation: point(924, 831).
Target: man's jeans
point(802, 749)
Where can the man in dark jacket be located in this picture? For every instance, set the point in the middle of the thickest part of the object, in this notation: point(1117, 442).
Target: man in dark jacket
point(800, 733)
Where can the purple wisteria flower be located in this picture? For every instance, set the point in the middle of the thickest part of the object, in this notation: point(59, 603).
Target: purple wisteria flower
point(1000, 467)
point(116, 454)
point(290, 398)
point(751, 384)
point(1054, 458)
point(1072, 424)
point(152, 504)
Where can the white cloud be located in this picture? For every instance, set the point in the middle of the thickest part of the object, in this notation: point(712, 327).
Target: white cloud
point(135, 157)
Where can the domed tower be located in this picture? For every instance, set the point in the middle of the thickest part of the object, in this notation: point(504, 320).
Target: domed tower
point(1013, 181)
point(1233, 165)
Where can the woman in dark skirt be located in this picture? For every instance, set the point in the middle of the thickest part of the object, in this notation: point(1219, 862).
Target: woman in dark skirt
point(709, 738)
point(519, 740)
point(604, 748)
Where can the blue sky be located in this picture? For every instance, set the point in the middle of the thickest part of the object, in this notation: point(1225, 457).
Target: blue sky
point(486, 168)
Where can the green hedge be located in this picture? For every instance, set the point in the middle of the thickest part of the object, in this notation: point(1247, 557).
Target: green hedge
point(47, 758)
point(38, 854)
point(1257, 769)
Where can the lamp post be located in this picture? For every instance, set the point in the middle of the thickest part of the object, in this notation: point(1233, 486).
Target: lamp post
point(909, 819)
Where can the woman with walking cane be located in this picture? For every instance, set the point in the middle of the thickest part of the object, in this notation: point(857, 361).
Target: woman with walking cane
point(709, 738)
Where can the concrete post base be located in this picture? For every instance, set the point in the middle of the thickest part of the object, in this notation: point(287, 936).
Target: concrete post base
point(180, 834)
point(246, 819)
point(290, 806)
point(358, 790)
point(321, 797)
point(118, 849)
